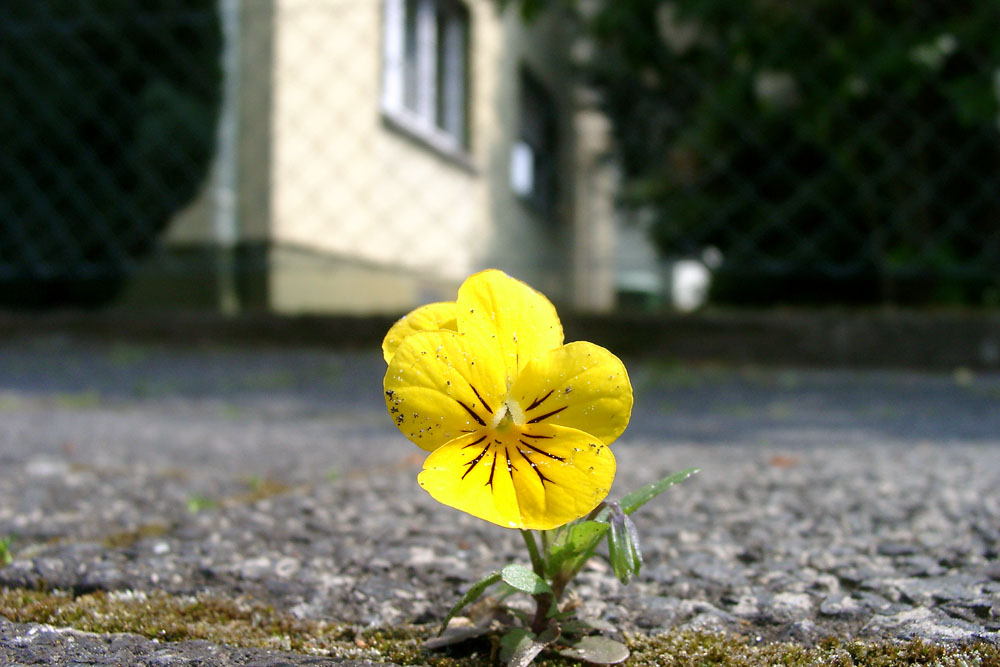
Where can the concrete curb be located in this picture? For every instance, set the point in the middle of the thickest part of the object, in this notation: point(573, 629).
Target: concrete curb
point(826, 338)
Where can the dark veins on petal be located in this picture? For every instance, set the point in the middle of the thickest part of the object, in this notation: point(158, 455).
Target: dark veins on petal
point(541, 451)
point(510, 465)
point(493, 469)
point(538, 401)
point(472, 412)
point(533, 465)
point(539, 418)
point(486, 405)
point(479, 457)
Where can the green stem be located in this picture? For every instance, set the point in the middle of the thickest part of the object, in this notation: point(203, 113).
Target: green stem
point(537, 564)
point(543, 601)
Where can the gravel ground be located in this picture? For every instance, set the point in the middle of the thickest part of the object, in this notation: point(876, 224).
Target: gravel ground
point(830, 502)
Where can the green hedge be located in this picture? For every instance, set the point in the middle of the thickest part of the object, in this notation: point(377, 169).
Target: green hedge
point(108, 117)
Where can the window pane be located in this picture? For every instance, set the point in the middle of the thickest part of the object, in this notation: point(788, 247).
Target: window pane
point(538, 131)
point(451, 69)
point(410, 51)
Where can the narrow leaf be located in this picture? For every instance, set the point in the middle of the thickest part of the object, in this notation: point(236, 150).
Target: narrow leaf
point(640, 497)
point(470, 596)
point(524, 579)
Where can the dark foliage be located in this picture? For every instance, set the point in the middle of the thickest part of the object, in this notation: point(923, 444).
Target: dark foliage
point(833, 152)
point(108, 118)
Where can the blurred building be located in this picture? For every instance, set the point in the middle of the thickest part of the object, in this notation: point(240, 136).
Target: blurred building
point(373, 153)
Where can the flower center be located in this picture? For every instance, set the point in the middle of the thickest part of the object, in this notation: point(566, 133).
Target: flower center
point(509, 412)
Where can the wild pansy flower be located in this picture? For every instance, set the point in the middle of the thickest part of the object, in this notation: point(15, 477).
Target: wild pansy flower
point(518, 424)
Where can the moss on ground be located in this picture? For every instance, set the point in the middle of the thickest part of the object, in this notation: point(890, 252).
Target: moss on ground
point(125, 538)
point(252, 624)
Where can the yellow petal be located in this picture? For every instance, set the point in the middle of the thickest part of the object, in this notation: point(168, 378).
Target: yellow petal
point(441, 384)
point(538, 478)
point(571, 475)
point(580, 385)
point(522, 321)
point(431, 317)
point(470, 474)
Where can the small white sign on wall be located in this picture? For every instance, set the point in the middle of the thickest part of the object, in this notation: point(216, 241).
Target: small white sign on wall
point(522, 169)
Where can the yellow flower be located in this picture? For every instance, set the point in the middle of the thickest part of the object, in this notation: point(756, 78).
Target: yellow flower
point(518, 424)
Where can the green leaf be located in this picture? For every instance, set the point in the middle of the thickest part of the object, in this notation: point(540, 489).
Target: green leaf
point(596, 650)
point(452, 636)
point(573, 540)
point(640, 497)
point(470, 596)
point(587, 626)
point(617, 552)
point(6, 557)
point(581, 535)
point(519, 647)
point(524, 579)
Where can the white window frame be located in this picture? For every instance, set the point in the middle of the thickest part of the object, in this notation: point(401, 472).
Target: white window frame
point(433, 106)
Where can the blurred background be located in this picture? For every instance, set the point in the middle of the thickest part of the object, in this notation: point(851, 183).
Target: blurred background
point(364, 156)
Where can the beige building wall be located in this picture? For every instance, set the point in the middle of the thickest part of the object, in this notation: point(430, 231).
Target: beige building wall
point(405, 222)
point(340, 210)
point(193, 225)
point(570, 256)
point(524, 243)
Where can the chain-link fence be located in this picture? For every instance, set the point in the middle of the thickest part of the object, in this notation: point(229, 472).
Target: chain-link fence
point(818, 151)
point(246, 146)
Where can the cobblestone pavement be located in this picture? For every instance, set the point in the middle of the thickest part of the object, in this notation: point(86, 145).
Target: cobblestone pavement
point(829, 502)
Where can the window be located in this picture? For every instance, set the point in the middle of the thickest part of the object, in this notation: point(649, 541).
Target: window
point(533, 157)
point(425, 78)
